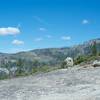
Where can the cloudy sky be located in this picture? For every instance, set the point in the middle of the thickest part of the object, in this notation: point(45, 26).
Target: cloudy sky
point(33, 24)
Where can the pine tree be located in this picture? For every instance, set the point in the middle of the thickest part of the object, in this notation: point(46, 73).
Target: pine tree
point(94, 49)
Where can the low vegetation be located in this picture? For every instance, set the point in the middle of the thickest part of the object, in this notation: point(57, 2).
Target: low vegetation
point(86, 58)
point(22, 67)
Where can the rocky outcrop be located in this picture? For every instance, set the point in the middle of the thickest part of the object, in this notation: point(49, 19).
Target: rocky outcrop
point(96, 63)
point(69, 62)
point(4, 72)
point(76, 83)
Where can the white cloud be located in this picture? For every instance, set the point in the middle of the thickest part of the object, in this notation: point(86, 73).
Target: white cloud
point(66, 38)
point(38, 39)
point(17, 42)
point(85, 21)
point(9, 31)
point(42, 29)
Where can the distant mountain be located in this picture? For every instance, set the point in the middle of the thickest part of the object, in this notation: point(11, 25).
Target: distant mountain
point(53, 56)
point(24, 63)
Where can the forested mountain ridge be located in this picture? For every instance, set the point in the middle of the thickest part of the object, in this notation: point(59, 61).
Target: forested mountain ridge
point(53, 56)
point(31, 61)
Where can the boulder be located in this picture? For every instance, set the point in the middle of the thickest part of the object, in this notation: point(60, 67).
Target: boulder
point(68, 62)
point(96, 63)
point(4, 72)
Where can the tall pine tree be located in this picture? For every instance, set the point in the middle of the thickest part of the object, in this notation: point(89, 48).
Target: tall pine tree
point(94, 48)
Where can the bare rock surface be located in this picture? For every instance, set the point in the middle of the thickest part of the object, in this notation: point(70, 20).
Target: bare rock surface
point(64, 84)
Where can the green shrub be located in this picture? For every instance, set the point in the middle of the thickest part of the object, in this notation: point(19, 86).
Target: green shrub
point(94, 48)
point(80, 59)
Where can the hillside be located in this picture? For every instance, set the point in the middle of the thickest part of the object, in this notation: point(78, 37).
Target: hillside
point(42, 59)
point(53, 56)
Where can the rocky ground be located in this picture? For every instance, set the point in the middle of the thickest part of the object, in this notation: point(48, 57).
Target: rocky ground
point(65, 84)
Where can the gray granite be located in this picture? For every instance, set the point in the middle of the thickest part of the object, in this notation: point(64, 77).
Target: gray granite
point(65, 84)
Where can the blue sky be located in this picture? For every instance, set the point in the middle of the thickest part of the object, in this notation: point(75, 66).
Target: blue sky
point(33, 24)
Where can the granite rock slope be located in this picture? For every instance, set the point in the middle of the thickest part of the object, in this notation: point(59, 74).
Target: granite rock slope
point(76, 83)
